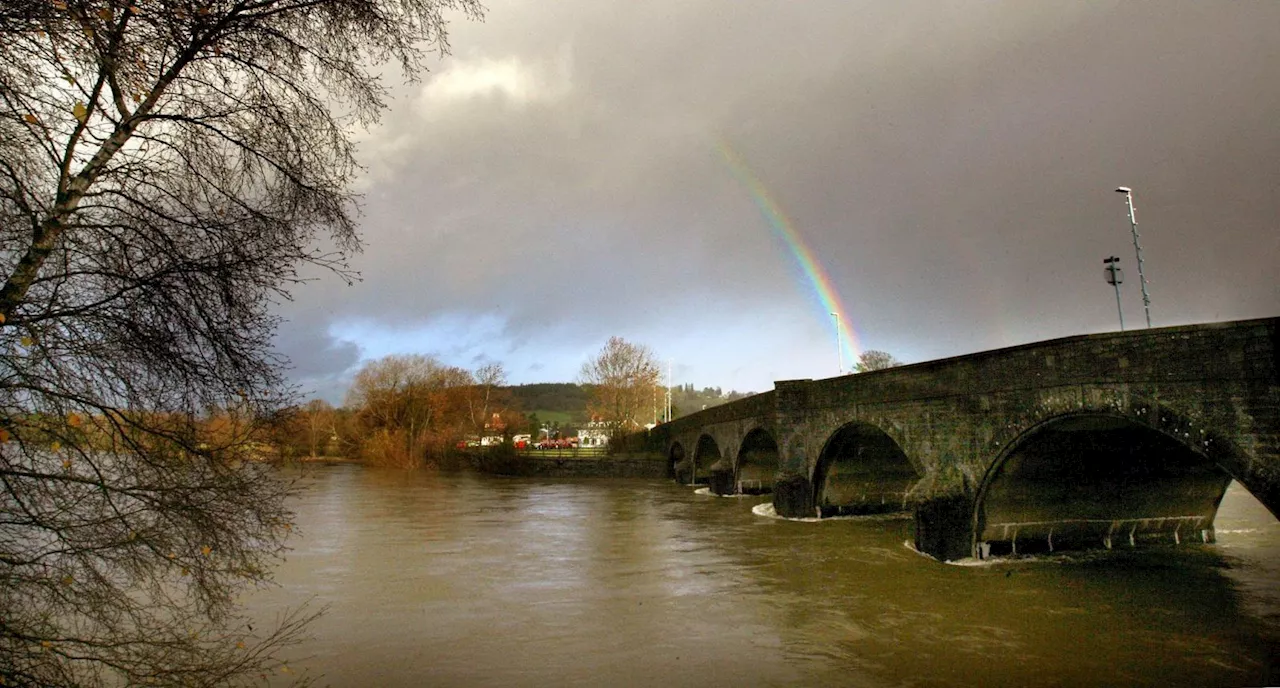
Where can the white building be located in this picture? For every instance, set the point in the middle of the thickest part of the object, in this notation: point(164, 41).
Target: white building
point(594, 434)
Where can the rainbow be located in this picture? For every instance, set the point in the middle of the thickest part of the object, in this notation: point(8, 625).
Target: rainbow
point(813, 270)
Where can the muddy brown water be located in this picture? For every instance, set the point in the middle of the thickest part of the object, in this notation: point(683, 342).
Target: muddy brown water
point(456, 579)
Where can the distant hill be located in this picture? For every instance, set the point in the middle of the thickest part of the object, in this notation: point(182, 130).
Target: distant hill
point(552, 398)
point(566, 402)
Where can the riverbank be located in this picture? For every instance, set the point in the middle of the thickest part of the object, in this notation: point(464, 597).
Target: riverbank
point(536, 464)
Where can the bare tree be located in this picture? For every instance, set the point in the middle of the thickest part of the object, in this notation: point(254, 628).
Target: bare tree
point(165, 167)
point(318, 419)
point(486, 398)
point(624, 380)
point(875, 360)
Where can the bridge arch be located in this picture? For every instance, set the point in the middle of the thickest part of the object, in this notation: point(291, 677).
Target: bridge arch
point(862, 470)
point(675, 460)
point(1101, 477)
point(756, 464)
point(705, 455)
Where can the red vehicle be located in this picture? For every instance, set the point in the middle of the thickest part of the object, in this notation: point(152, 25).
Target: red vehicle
point(566, 443)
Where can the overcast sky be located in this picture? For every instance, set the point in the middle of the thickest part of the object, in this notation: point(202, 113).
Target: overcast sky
point(557, 181)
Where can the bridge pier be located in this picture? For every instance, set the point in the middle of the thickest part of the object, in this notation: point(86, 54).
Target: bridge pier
point(793, 496)
point(944, 527)
point(683, 471)
point(721, 478)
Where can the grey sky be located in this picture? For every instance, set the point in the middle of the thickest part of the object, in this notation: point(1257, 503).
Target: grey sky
point(556, 181)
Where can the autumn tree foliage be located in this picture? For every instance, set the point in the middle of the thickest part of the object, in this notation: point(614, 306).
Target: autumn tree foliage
point(165, 168)
point(411, 409)
point(624, 380)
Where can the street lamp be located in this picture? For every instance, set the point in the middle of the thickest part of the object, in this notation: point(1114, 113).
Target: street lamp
point(1137, 249)
point(1114, 276)
point(839, 349)
point(669, 364)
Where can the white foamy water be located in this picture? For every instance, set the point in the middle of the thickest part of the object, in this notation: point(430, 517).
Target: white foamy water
point(706, 492)
point(766, 509)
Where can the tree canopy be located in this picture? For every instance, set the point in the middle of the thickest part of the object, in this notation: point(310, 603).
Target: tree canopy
point(165, 168)
point(872, 359)
point(625, 379)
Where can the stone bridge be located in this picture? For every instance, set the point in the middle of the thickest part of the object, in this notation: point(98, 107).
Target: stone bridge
point(1094, 440)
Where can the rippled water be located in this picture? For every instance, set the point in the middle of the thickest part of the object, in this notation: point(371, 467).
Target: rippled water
point(468, 580)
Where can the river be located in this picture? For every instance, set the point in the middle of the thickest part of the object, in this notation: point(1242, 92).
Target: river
point(458, 579)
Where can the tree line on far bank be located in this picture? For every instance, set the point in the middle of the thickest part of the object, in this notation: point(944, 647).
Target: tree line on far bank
point(407, 411)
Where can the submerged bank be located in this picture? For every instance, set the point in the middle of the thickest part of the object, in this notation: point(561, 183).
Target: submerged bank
point(532, 464)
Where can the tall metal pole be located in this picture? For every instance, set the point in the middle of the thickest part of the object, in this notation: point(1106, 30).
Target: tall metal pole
point(839, 348)
point(1137, 249)
point(1119, 310)
point(668, 390)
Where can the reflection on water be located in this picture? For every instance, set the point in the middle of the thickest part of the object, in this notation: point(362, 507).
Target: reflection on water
point(465, 580)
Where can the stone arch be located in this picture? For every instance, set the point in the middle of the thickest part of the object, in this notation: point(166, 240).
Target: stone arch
point(757, 462)
point(1104, 477)
point(753, 468)
point(675, 459)
point(862, 470)
point(705, 455)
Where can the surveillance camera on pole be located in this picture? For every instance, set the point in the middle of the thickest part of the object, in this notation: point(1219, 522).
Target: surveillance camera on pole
point(1114, 276)
point(1137, 249)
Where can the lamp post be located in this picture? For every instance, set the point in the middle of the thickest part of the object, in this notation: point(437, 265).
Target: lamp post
point(1114, 276)
point(1137, 249)
point(669, 364)
point(839, 351)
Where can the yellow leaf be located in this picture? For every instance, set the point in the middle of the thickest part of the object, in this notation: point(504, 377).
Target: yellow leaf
point(186, 571)
point(105, 14)
point(74, 420)
point(27, 341)
point(66, 464)
point(240, 645)
point(206, 550)
point(285, 669)
point(173, 556)
point(2, 318)
point(45, 643)
point(68, 580)
point(133, 9)
point(4, 435)
point(80, 112)
point(55, 446)
point(59, 5)
point(31, 119)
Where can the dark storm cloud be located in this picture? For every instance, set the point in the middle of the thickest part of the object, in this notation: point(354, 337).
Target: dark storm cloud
point(319, 363)
point(950, 163)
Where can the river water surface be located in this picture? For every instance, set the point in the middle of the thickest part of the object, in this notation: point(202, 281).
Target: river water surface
point(456, 579)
